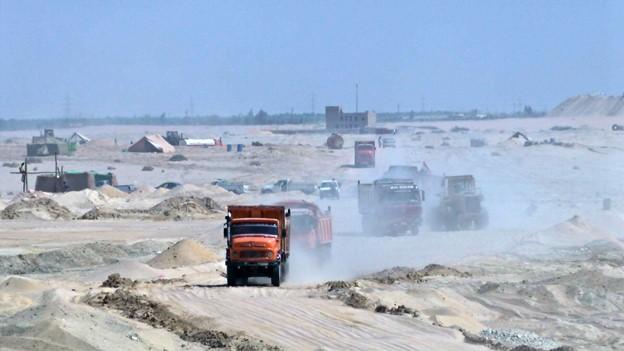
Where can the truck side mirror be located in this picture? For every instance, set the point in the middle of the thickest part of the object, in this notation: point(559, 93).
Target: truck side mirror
point(225, 231)
point(288, 213)
point(422, 195)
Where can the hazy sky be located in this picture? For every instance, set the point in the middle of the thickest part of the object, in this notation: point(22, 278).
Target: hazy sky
point(139, 57)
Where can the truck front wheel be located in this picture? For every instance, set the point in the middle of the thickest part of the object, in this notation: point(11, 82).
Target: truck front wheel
point(231, 276)
point(276, 275)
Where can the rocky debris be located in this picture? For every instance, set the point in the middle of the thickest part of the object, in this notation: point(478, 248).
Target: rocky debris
point(514, 338)
point(102, 213)
point(255, 163)
point(178, 158)
point(356, 300)
point(392, 275)
point(186, 252)
point(340, 284)
point(256, 143)
point(158, 315)
point(396, 310)
point(117, 281)
point(10, 164)
point(86, 255)
point(35, 207)
point(147, 168)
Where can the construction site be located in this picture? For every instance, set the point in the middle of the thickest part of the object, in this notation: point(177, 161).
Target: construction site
point(509, 245)
point(311, 175)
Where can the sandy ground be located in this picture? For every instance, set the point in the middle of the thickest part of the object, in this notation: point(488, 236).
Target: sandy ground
point(549, 269)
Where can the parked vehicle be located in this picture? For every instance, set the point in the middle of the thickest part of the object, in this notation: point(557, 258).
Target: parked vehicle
point(235, 187)
point(168, 185)
point(364, 154)
point(258, 243)
point(311, 229)
point(329, 189)
point(289, 185)
point(388, 142)
point(390, 206)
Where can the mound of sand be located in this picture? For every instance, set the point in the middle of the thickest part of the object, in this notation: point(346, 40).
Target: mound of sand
point(35, 207)
point(131, 269)
point(389, 276)
point(80, 201)
point(111, 192)
point(180, 207)
point(20, 285)
point(576, 231)
point(590, 105)
point(186, 252)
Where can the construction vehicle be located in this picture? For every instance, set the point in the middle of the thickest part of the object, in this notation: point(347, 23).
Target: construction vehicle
point(617, 127)
point(390, 206)
point(335, 141)
point(364, 154)
point(311, 228)
point(283, 185)
point(258, 243)
point(460, 205)
point(174, 137)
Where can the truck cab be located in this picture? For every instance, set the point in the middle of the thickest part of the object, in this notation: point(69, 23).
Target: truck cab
point(258, 243)
point(364, 153)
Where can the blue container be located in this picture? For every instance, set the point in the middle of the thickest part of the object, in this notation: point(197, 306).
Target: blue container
point(239, 147)
point(229, 147)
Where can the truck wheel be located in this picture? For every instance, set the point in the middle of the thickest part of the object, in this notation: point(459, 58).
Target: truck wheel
point(276, 276)
point(231, 276)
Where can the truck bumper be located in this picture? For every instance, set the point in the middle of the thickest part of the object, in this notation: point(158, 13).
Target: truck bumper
point(252, 269)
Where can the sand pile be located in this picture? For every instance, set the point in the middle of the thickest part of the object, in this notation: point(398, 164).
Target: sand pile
point(389, 276)
point(590, 105)
point(131, 269)
point(20, 285)
point(576, 231)
point(81, 201)
point(91, 254)
point(186, 252)
point(180, 207)
point(35, 207)
point(111, 192)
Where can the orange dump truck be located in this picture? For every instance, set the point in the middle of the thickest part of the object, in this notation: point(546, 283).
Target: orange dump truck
point(311, 228)
point(258, 243)
point(364, 153)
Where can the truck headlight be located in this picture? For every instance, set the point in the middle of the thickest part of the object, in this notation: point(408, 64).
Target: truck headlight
point(269, 254)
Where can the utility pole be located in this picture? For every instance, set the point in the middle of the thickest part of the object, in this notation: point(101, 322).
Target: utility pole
point(356, 96)
point(313, 105)
point(192, 107)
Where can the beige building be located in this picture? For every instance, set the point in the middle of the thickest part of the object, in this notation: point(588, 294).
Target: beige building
point(336, 119)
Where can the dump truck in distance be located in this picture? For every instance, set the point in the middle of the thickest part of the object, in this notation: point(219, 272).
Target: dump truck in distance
point(311, 228)
point(364, 153)
point(258, 243)
point(390, 206)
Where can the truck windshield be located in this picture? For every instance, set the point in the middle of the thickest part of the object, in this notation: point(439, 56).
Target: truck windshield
point(253, 228)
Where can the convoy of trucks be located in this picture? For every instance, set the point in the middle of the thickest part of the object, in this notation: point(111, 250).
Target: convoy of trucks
point(390, 206)
point(258, 243)
point(364, 153)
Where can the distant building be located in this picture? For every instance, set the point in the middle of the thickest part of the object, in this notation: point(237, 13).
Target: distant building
point(336, 119)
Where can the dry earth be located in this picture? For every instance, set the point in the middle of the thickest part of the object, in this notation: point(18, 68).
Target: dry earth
point(547, 272)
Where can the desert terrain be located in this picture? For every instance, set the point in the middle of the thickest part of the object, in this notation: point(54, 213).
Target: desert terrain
point(547, 273)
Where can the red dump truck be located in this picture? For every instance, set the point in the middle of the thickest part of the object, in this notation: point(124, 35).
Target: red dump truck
point(258, 243)
point(390, 206)
point(311, 228)
point(364, 153)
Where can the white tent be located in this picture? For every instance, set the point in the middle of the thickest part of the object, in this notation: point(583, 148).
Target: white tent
point(78, 138)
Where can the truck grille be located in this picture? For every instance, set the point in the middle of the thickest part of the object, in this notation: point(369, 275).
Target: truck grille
point(253, 254)
point(473, 204)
